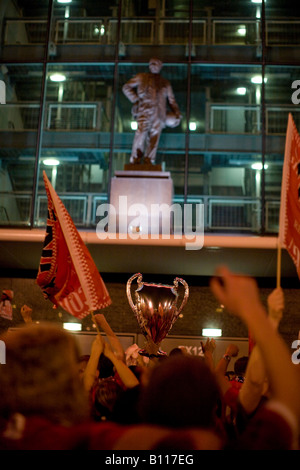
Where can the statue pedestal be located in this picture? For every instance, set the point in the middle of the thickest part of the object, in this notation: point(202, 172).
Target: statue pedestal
point(137, 197)
point(142, 167)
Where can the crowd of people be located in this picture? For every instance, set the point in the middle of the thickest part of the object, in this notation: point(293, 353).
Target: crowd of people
point(52, 398)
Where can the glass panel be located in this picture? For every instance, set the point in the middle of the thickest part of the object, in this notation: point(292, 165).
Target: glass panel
point(77, 136)
point(164, 25)
point(23, 24)
point(282, 97)
point(273, 177)
point(19, 121)
point(90, 26)
point(230, 29)
point(236, 9)
point(225, 99)
point(229, 186)
point(225, 118)
point(282, 31)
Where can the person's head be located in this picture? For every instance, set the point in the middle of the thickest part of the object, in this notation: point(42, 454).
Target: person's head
point(7, 295)
point(179, 351)
point(182, 392)
point(105, 367)
point(155, 65)
point(240, 365)
point(40, 376)
point(106, 395)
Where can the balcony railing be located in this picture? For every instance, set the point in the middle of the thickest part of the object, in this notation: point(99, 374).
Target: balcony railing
point(164, 31)
point(234, 119)
point(74, 116)
point(222, 214)
point(90, 116)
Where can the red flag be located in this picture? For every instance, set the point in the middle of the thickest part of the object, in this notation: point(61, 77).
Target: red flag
point(289, 223)
point(67, 273)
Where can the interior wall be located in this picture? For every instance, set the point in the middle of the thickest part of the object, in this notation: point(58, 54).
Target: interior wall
point(201, 310)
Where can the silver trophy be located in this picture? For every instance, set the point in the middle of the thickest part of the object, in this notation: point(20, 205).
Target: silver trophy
point(156, 310)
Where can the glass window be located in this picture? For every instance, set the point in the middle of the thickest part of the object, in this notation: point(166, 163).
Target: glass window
point(281, 97)
point(76, 137)
point(225, 117)
point(282, 31)
point(226, 28)
point(23, 24)
point(225, 99)
point(163, 25)
point(83, 29)
point(19, 122)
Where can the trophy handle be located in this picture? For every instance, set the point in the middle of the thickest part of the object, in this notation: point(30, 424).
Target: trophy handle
point(186, 293)
point(128, 289)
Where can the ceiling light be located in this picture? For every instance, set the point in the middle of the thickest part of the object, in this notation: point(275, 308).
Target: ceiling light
point(241, 90)
point(211, 332)
point(64, 1)
point(72, 326)
point(51, 162)
point(192, 126)
point(134, 125)
point(258, 79)
point(258, 166)
point(242, 30)
point(57, 77)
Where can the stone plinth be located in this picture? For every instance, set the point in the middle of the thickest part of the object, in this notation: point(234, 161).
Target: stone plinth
point(137, 197)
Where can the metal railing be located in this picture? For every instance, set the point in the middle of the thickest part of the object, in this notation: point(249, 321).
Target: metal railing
point(220, 118)
point(238, 214)
point(234, 214)
point(236, 32)
point(137, 30)
point(234, 119)
point(84, 31)
point(74, 116)
point(276, 118)
point(272, 209)
point(283, 33)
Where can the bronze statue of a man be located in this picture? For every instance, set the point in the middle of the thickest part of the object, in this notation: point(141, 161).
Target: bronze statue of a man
point(150, 93)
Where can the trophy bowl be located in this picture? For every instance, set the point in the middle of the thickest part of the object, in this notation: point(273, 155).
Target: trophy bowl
point(156, 310)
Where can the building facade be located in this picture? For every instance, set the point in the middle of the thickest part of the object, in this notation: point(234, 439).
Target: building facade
point(234, 70)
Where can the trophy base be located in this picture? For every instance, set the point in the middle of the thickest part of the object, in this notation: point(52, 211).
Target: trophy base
point(160, 353)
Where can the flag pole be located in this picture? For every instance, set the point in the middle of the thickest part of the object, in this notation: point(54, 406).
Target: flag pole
point(278, 274)
point(94, 320)
point(283, 198)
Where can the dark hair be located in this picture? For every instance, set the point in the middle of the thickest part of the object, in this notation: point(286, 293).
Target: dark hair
point(182, 392)
point(106, 395)
point(175, 351)
point(240, 365)
point(105, 367)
